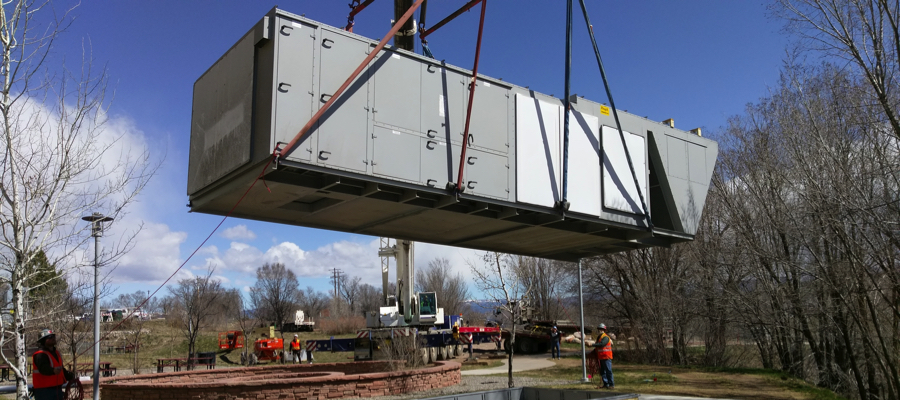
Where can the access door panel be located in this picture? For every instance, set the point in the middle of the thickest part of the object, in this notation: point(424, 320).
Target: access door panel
point(342, 129)
point(584, 163)
point(396, 82)
point(489, 127)
point(396, 154)
point(442, 103)
point(487, 174)
point(439, 162)
point(619, 191)
point(537, 151)
point(294, 84)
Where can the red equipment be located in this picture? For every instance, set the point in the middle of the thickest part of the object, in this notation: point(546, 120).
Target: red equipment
point(231, 340)
point(268, 349)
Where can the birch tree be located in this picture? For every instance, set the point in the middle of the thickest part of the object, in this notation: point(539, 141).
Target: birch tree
point(57, 162)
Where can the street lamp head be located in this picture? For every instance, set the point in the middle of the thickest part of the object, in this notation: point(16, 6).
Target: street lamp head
point(97, 220)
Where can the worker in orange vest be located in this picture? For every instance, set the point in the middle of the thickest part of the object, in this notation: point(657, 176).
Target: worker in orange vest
point(605, 355)
point(296, 348)
point(48, 374)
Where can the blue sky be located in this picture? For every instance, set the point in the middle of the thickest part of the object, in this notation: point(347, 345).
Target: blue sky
point(698, 62)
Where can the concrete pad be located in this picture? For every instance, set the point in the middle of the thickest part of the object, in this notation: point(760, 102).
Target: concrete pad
point(520, 363)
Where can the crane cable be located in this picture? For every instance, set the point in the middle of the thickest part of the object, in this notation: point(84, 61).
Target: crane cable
point(612, 104)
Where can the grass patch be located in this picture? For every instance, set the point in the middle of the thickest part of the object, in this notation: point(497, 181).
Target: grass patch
point(742, 383)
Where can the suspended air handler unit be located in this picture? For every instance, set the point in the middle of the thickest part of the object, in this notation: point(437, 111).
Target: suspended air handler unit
point(384, 159)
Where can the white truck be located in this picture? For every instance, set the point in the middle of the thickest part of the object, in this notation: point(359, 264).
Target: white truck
point(300, 323)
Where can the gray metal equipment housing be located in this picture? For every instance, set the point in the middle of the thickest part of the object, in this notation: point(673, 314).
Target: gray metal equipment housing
point(380, 161)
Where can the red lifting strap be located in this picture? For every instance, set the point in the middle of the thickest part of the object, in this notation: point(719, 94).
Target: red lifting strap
point(355, 10)
point(462, 155)
point(279, 152)
point(449, 18)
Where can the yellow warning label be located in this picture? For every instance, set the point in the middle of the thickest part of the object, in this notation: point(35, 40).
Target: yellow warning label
point(604, 110)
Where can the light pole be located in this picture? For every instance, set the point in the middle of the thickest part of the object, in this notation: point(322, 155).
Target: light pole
point(97, 220)
point(584, 377)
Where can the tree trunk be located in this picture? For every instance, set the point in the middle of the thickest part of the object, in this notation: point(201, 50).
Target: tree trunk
point(512, 349)
point(18, 293)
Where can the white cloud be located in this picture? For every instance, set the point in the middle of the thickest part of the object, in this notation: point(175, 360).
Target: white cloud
point(459, 258)
point(239, 232)
point(154, 257)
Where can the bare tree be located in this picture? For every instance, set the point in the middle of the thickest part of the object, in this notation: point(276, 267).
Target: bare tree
point(72, 330)
point(197, 303)
point(864, 33)
point(57, 163)
point(235, 305)
point(550, 279)
point(135, 333)
point(451, 290)
point(369, 299)
point(808, 191)
point(349, 291)
point(496, 277)
point(274, 295)
point(312, 302)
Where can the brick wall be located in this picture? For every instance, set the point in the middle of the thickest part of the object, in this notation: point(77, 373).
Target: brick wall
point(317, 381)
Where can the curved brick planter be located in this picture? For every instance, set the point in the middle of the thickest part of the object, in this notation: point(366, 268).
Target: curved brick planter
point(318, 381)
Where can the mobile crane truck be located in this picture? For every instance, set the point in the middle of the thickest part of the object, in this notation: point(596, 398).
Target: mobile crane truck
point(409, 326)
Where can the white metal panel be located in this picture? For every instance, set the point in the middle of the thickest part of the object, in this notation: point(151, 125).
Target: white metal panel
point(584, 163)
point(619, 192)
point(537, 151)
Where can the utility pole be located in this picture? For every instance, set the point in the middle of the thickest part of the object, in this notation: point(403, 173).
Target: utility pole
point(336, 278)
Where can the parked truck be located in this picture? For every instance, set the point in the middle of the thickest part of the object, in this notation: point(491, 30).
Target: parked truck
point(301, 323)
point(533, 336)
point(411, 325)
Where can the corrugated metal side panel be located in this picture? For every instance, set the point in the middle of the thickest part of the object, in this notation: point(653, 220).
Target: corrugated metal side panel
point(221, 116)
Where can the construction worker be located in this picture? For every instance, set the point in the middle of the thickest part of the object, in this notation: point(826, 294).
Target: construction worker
point(48, 373)
point(296, 349)
point(554, 343)
point(605, 355)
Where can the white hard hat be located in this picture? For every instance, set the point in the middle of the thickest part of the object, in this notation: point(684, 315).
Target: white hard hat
point(295, 335)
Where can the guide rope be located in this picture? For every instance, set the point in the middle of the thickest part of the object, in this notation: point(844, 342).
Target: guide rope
point(280, 152)
point(228, 214)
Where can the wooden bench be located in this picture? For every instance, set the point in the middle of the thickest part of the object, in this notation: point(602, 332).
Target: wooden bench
point(189, 364)
point(209, 362)
point(175, 363)
point(87, 369)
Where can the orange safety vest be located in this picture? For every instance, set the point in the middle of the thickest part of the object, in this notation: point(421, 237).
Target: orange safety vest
point(605, 352)
point(295, 345)
point(45, 381)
